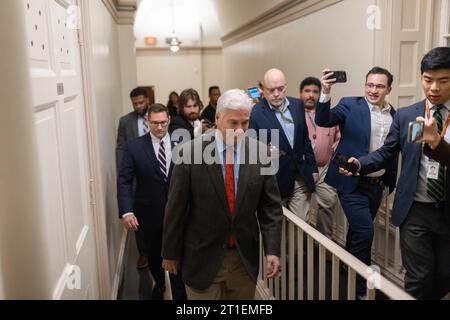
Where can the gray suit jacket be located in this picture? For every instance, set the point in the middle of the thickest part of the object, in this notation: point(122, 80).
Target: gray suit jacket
point(198, 221)
point(128, 130)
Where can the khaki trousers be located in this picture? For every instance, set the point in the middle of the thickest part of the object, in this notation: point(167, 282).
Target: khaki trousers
point(231, 283)
point(326, 197)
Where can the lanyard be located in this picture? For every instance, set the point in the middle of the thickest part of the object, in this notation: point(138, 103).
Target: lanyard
point(447, 123)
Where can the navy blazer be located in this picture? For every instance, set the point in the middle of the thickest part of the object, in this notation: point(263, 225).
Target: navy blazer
point(396, 141)
point(352, 114)
point(148, 203)
point(299, 160)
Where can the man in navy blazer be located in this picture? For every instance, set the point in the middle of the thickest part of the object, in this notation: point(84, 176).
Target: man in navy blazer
point(298, 171)
point(147, 160)
point(131, 126)
point(421, 207)
point(364, 123)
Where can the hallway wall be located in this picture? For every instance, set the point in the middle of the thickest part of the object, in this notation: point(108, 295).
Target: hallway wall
point(189, 68)
point(108, 109)
point(127, 65)
point(336, 37)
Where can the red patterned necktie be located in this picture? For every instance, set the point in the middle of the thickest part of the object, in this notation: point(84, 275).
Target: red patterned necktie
point(230, 188)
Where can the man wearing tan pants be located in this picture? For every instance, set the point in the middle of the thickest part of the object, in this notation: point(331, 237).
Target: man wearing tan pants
point(217, 209)
point(324, 142)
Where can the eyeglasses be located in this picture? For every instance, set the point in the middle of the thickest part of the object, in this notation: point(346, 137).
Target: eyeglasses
point(378, 86)
point(281, 89)
point(161, 123)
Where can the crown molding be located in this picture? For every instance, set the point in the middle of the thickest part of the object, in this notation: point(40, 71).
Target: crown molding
point(183, 49)
point(285, 12)
point(122, 11)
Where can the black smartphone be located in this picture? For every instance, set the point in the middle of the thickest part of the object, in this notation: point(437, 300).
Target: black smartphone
point(415, 131)
point(254, 93)
point(342, 162)
point(340, 76)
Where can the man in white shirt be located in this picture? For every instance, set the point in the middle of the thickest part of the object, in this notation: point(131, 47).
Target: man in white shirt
point(364, 123)
point(148, 160)
point(131, 126)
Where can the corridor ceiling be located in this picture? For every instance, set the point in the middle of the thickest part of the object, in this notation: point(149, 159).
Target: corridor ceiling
point(196, 22)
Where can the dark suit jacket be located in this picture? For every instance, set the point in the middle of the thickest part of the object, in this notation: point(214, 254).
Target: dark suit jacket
point(209, 114)
point(128, 130)
point(396, 142)
point(352, 115)
point(148, 203)
point(299, 160)
point(198, 221)
point(181, 123)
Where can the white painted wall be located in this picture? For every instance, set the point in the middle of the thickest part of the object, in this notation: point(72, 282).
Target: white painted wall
point(108, 109)
point(187, 69)
point(235, 13)
point(336, 37)
point(127, 55)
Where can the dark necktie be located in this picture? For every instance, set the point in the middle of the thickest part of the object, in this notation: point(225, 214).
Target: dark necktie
point(436, 187)
point(162, 159)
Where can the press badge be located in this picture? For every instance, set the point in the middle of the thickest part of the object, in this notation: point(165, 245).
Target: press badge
point(433, 170)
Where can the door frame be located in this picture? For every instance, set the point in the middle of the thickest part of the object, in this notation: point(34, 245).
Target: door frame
point(98, 207)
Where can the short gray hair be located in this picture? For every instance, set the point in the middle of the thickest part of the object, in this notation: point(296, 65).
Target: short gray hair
point(234, 99)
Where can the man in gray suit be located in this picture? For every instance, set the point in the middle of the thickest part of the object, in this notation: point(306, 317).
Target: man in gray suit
point(217, 209)
point(132, 126)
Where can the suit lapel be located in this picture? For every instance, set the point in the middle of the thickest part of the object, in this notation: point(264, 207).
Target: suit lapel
point(365, 115)
point(148, 148)
point(272, 118)
point(296, 117)
point(134, 124)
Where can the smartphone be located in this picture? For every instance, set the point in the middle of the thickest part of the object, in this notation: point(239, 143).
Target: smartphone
point(342, 162)
point(415, 131)
point(254, 93)
point(340, 76)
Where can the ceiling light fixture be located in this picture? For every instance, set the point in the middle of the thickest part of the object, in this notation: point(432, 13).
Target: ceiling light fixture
point(173, 41)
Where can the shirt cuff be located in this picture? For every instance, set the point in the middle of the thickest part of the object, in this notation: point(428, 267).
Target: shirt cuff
point(127, 214)
point(324, 98)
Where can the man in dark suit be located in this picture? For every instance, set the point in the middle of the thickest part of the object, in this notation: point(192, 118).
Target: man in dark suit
point(131, 126)
point(209, 113)
point(421, 206)
point(364, 123)
point(147, 160)
point(277, 113)
point(216, 211)
point(187, 124)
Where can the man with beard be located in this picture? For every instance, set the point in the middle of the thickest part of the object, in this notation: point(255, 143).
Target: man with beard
point(132, 126)
point(189, 105)
point(279, 114)
point(324, 142)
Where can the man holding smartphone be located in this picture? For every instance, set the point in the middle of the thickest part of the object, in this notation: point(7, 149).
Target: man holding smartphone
point(421, 206)
point(364, 123)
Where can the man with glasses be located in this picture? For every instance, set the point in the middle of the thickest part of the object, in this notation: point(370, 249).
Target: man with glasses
point(148, 159)
point(421, 207)
point(364, 123)
point(285, 116)
point(131, 126)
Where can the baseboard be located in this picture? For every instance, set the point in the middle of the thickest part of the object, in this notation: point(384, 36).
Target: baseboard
point(120, 266)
